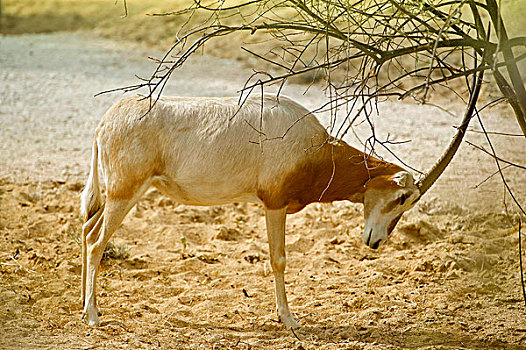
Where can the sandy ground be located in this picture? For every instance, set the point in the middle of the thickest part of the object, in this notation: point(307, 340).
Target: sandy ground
point(448, 279)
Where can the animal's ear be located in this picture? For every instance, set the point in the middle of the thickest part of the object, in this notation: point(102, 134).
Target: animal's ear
point(401, 178)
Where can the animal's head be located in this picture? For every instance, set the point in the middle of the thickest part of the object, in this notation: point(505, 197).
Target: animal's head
point(386, 198)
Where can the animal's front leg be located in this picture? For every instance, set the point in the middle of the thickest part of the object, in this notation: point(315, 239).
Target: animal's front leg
point(275, 220)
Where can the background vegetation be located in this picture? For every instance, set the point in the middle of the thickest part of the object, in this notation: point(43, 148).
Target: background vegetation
point(104, 17)
point(107, 18)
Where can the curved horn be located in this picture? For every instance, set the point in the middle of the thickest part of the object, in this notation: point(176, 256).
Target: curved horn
point(437, 170)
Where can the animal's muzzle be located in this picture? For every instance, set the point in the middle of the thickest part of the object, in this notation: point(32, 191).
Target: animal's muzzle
point(373, 245)
point(376, 244)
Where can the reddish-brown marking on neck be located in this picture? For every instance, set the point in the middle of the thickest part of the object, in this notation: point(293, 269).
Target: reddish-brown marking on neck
point(335, 171)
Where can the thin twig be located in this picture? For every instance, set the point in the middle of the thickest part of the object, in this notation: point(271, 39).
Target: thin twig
point(125, 9)
point(497, 159)
point(520, 263)
point(293, 332)
point(495, 133)
point(490, 176)
point(494, 156)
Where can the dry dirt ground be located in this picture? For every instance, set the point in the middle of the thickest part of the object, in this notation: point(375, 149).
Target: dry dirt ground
point(199, 278)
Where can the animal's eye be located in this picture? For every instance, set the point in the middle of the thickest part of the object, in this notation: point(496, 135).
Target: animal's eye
point(402, 199)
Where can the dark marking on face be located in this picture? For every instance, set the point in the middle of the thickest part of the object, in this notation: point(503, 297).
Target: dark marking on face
point(369, 237)
point(393, 205)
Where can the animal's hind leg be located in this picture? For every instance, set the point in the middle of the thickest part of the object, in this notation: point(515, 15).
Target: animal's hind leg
point(94, 223)
point(96, 240)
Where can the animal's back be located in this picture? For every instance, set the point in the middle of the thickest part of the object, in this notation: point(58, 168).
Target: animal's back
point(199, 149)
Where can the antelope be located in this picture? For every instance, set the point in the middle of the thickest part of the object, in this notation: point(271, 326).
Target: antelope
point(213, 151)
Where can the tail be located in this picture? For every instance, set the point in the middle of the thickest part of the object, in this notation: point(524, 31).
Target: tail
point(91, 200)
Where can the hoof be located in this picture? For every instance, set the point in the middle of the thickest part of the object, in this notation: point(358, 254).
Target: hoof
point(290, 322)
point(93, 322)
point(92, 318)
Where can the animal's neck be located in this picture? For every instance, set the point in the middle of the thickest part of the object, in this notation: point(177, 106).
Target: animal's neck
point(335, 171)
point(350, 170)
